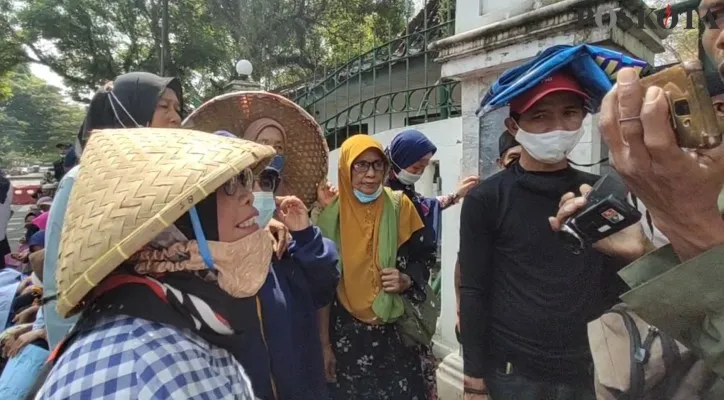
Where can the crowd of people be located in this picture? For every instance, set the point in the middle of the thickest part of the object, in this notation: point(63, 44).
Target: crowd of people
point(181, 260)
point(207, 256)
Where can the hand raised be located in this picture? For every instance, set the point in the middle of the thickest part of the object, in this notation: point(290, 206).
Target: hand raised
point(326, 192)
point(466, 184)
point(292, 213)
point(280, 236)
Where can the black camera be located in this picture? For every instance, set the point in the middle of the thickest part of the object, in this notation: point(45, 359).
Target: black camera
point(606, 212)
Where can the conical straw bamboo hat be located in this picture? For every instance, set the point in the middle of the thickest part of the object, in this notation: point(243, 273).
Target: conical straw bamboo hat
point(131, 185)
point(306, 153)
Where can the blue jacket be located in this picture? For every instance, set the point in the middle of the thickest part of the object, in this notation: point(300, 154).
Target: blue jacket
point(56, 326)
point(299, 284)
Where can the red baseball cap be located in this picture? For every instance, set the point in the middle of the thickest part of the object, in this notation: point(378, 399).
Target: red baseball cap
point(558, 82)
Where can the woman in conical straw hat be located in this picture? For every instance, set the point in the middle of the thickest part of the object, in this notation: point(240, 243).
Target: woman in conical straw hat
point(131, 100)
point(304, 275)
point(276, 121)
point(162, 258)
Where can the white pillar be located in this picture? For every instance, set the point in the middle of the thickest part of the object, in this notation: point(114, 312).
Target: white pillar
point(588, 150)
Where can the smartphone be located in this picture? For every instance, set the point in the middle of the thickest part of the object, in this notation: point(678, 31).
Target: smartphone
point(692, 114)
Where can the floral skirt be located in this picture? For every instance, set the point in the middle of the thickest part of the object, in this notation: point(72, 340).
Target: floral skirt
point(373, 363)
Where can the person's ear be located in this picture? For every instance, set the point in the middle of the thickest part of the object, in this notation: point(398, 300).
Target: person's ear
point(511, 126)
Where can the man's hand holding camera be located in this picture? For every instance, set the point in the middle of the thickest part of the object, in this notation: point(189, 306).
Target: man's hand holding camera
point(628, 244)
point(680, 189)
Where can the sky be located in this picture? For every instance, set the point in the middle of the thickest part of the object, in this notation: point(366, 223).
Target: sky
point(44, 73)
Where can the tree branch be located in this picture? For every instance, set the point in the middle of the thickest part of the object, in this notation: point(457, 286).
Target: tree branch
point(40, 58)
point(299, 60)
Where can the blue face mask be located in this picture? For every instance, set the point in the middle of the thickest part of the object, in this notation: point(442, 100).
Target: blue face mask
point(367, 198)
point(266, 205)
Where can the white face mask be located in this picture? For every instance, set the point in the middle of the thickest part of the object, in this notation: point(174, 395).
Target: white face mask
point(408, 178)
point(550, 147)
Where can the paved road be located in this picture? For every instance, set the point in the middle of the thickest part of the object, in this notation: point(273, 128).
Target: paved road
point(16, 226)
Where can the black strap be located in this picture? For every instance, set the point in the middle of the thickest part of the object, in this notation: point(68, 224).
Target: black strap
point(645, 351)
point(649, 220)
point(470, 390)
point(603, 160)
point(48, 299)
point(650, 223)
point(672, 359)
point(638, 378)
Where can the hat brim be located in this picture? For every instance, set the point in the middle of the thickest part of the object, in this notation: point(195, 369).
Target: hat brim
point(545, 93)
point(306, 154)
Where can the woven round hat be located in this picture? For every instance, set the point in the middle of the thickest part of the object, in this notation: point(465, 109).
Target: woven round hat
point(306, 153)
point(131, 185)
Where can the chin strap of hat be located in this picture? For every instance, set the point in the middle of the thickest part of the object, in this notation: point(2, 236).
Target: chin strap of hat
point(201, 238)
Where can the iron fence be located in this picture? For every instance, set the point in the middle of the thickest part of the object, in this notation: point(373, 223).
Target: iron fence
point(397, 81)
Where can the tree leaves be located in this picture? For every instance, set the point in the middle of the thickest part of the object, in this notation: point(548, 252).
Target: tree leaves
point(36, 117)
point(88, 42)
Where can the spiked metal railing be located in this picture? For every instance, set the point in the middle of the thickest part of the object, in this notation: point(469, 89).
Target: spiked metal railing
point(341, 89)
point(419, 105)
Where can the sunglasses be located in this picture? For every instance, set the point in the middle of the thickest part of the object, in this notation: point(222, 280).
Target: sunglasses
point(244, 182)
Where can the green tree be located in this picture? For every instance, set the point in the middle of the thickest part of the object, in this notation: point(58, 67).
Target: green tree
point(356, 26)
point(11, 52)
point(89, 41)
point(94, 40)
point(681, 44)
point(36, 116)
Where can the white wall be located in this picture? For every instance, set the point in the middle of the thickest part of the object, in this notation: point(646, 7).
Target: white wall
point(447, 136)
point(471, 14)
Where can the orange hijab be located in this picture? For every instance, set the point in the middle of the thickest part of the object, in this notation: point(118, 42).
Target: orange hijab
point(359, 234)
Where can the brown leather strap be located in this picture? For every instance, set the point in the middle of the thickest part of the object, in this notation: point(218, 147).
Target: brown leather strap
point(470, 390)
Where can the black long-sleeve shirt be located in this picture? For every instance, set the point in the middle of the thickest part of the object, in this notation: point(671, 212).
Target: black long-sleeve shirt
point(524, 297)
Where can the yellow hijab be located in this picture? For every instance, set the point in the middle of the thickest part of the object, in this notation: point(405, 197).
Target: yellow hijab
point(359, 234)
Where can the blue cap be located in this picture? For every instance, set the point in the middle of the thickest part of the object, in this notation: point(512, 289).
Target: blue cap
point(226, 134)
point(276, 164)
point(38, 239)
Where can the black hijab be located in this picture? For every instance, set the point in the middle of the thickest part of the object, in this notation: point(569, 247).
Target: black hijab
point(206, 209)
point(137, 92)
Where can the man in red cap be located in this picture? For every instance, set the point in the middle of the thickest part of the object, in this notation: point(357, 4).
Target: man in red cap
point(547, 121)
point(525, 298)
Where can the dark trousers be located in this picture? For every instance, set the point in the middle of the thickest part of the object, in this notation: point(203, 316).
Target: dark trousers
point(512, 386)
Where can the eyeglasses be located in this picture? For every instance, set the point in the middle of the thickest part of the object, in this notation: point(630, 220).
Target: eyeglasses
point(243, 181)
point(361, 167)
point(268, 181)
